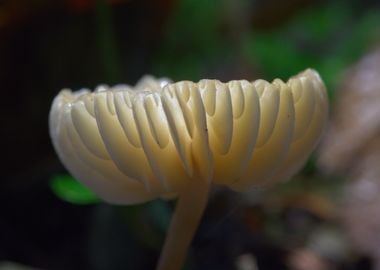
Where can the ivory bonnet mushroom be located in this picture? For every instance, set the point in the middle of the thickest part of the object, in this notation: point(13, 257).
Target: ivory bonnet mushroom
point(166, 140)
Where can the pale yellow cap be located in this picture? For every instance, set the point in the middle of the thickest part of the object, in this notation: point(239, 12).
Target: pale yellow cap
point(134, 144)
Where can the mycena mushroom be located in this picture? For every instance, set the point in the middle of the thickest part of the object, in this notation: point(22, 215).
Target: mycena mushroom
point(174, 140)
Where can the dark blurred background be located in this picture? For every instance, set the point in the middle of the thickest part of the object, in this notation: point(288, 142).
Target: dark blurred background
point(328, 217)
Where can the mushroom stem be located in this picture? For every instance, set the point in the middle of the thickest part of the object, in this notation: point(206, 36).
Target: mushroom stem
point(189, 209)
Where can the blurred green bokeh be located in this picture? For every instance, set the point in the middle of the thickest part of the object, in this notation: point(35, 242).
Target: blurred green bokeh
point(70, 190)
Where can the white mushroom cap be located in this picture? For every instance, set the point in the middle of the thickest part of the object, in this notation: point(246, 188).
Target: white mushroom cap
point(131, 145)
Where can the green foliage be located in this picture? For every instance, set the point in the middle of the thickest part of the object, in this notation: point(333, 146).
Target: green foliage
point(70, 190)
point(192, 40)
point(157, 212)
point(328, 38)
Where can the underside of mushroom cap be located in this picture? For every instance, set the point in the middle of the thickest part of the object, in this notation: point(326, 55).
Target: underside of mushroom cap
point(133, 144)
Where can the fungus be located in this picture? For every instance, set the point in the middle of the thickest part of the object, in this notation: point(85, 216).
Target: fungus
point(173, 140)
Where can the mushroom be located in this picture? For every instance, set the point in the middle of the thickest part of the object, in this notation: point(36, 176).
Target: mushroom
point(173, 140)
